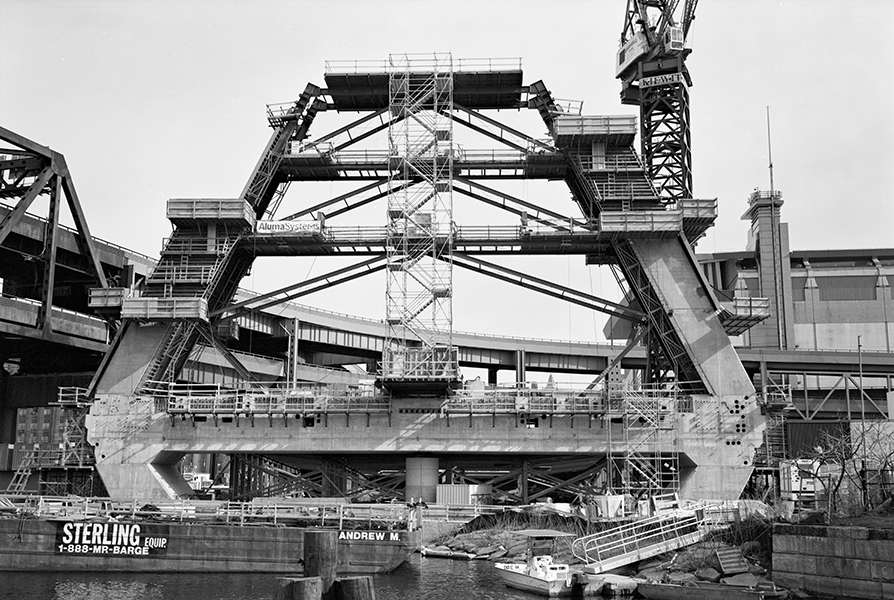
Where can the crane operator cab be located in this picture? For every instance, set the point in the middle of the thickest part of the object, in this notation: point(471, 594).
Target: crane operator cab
point(673, 40)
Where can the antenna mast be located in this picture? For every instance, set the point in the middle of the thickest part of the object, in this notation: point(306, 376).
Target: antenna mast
point(776, 245)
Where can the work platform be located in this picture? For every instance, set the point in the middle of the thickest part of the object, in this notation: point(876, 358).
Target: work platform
point(316, 163)
point(477, 83)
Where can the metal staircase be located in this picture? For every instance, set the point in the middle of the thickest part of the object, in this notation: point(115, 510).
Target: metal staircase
point(774, 447)
point(645, 413)
point(639, 540)
point(179, 338)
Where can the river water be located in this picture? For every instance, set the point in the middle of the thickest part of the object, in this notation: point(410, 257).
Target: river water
point(419, 578)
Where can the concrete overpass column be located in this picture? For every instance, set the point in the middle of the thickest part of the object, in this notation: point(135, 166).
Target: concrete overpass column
point(520, 374)
point(422, 479)
point(492, 376)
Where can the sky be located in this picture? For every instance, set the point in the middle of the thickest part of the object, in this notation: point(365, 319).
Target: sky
point(156, 100)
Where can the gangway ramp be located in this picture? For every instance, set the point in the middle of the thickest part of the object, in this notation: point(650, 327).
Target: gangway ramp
point(639, 540)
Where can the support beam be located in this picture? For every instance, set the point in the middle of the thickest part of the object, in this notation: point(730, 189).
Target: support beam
point(506, 135)
point(51, 243)
point(303, 288)
point(85, 240)
point(12, 219)
point(546, 287)
point(380, 187)
point(516, 206)
point(205, 333)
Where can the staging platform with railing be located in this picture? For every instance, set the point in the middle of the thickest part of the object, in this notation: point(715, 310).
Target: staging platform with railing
point(654, 406)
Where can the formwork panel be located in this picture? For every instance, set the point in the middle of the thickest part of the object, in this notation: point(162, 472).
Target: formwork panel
point(165, 309)
point(571, 130)
point(190, 210)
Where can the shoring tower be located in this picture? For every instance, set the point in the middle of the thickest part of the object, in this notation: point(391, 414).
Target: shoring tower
point(418, 351)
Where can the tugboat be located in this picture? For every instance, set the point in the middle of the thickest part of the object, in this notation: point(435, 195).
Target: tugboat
point(540, 573)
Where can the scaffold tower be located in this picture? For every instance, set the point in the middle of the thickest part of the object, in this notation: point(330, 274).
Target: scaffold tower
point(419, 270)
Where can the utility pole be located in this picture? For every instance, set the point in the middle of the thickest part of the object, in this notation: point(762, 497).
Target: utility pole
point(863, 479)
point(776, 244)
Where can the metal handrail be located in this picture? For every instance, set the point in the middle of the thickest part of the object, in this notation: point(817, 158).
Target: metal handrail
point(274, 399)
point(643, 538)
point(327, 513)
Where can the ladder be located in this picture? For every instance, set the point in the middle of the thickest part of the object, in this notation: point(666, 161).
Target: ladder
point(774, 439)
point(23, 473)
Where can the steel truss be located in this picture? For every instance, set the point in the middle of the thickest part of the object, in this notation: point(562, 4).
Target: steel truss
point(27, 171)
point(522, 480)
point(665, 137)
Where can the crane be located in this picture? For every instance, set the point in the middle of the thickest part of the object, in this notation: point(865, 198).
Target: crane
point(651, 65)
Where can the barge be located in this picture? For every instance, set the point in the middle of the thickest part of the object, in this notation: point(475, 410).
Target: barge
point(66, 534)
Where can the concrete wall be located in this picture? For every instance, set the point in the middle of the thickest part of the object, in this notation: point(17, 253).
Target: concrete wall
point(855, 562)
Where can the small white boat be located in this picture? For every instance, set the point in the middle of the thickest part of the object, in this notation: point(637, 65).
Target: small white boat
point(540, 574)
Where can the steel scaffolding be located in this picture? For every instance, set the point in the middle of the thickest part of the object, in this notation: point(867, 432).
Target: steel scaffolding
point(419, 288)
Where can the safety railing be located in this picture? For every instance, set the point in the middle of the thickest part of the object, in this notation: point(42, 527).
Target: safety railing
point(220, 400)
point(561, 229)
point(382, 157)
point(72, 396)
point(519, 399)
point(655, 405)
point(187, 245)
point(616, 162)
point(182, 272)
point(261, 511)
point(569, 107)
point(280, 110)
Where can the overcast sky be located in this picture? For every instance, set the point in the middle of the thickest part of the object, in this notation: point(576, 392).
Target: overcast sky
point(154, 100)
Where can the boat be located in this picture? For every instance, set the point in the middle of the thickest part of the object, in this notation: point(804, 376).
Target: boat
point(540, 573)
point(440, 553)
point(703, 590)
point(72, 534)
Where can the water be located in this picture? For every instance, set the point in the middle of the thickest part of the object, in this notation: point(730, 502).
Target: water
point(419, 578)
